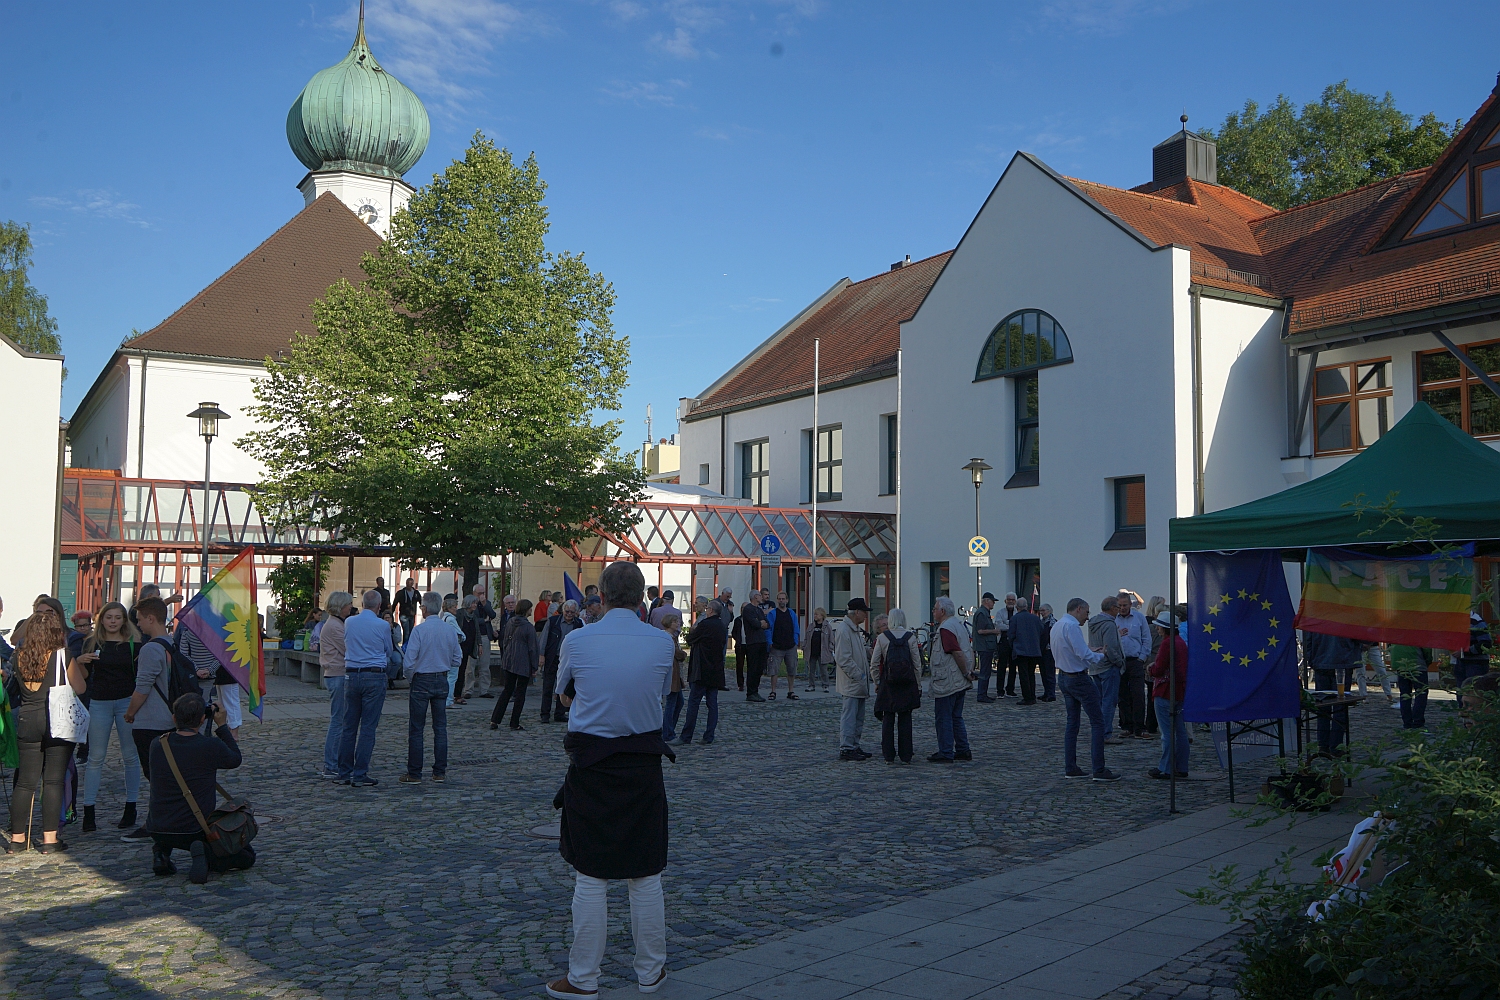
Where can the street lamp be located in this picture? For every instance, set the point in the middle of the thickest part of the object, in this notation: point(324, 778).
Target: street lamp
point(977, 468)
point(208, 416)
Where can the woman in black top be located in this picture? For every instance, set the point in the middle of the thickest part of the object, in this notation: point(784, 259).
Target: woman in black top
point(109, 658)
point(39, 665)
point(520, 659)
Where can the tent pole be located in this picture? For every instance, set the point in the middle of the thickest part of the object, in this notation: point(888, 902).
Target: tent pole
point(1173, 710)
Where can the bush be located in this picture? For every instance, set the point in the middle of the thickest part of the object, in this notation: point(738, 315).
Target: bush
point(296, 592)
point(1431, 929)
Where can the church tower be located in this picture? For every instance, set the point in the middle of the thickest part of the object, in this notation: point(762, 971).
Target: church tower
point(358, 129)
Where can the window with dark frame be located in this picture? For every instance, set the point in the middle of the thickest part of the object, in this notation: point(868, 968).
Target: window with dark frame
point(1472, 196)
point(703, 474)
point(1130, 514)
point(1352, 405)
point(755, 472)
point(827, 463)
point(1028, 411)
point(890, 455)
point(1451, 389)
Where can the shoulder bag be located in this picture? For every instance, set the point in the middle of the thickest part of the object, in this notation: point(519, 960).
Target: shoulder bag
point(231, 827)
point(67, 718)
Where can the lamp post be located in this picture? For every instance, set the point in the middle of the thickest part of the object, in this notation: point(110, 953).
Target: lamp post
point(208, 416)
point(977, 468)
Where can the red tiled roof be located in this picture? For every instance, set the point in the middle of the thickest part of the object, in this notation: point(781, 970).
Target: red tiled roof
point(251, 311)
point(860, 330)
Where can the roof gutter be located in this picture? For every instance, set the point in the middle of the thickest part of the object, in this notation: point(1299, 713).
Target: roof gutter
point(1400, 325)
point(868, 375)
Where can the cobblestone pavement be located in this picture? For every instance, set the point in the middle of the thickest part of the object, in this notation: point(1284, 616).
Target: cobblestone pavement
point(439, 890)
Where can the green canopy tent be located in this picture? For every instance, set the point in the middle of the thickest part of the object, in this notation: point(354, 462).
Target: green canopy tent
point(1434, 469)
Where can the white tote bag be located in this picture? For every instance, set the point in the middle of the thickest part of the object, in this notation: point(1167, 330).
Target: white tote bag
point(69, 718)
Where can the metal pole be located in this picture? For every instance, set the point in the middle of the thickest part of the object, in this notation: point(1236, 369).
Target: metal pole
point(812, 575)
point(208, 444)
point(1172, 706)
point(978, 573)
point(895, 601)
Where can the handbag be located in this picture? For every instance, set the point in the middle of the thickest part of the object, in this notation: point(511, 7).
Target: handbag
point(231, 827)
point(67, 718)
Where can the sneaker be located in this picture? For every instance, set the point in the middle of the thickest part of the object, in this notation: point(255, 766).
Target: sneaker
point(487, 696)
point(161, 862)
point(198, 874)
point(409, 779)
point(1106, 775)
point(563, 989)
point(863, 753)
point(653, 987)
point(330, 775)
point(1112, 741)
point(440, 778)
point(964, 755)
point(754, 697)
point(1158, 774)
point(849, 755)
point(985, 700)
point(938, 758)
point(1182, 774)
point(366, 782)
point(138, 835)
point(1076, 773)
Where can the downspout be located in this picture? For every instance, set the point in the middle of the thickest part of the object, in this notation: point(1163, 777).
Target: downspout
point(1292, 365)
point(1195, 293)
point(895, 601)
point(62, 444)
point(723, 451)
point(140, 434)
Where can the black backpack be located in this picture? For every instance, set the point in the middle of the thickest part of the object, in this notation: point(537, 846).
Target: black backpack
point(899, 669)
point(182, 676)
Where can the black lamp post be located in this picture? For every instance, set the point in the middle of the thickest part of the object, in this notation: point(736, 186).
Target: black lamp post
point(208, 416)
point(977, 468)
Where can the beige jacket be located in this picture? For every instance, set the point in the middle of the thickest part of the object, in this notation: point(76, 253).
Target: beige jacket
point(853, 659)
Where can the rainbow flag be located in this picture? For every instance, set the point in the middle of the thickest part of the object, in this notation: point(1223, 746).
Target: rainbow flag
point(1411, 602)
point(224, 617)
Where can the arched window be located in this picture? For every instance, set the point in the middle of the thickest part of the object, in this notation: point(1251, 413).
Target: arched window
point(1023, 341)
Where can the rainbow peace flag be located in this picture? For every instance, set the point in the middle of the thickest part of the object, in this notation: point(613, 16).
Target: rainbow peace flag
point(1412, 602)
point(224, 617)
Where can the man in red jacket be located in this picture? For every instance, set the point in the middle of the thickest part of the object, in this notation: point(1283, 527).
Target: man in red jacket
point(1171, 656)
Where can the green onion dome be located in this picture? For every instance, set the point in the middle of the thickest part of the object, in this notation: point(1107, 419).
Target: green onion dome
point(355, 116)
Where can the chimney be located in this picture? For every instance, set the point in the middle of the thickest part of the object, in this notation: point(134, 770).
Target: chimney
point(1183, 155)
point(901, 263)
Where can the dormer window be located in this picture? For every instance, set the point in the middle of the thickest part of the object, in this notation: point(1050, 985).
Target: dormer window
point(1452, 209)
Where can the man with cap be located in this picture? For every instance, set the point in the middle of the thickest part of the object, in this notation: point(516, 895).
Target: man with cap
point(986, 639)
point(852, 656)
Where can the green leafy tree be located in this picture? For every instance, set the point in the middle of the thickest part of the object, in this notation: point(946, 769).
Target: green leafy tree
point(446, 406)
point(1284, 157)
point(23, 309)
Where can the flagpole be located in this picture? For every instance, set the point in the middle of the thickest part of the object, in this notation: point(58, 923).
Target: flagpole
point(1173, 709)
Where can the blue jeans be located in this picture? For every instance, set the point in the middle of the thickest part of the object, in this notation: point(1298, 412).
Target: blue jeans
point(452, 684)
point(1108, 684)
point(1413, 705)
point(106, 714)
point(335, 737)
point(1081, 694)
point(697, 693)
point(952, 734)
point(851, 723)
point(364, 697)
point(1164, 726)
point(670, 710)
point(427, 690)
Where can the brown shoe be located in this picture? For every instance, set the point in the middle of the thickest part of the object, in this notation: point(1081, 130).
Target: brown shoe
point(563, 989)
point(653, 987)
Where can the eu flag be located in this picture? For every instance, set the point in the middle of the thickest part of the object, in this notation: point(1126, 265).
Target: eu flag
point(1242, 648)
point(571, 591)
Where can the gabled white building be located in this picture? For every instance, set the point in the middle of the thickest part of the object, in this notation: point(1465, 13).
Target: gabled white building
point(31, 385)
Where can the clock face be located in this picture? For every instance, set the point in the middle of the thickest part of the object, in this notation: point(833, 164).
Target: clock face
point(368, 213)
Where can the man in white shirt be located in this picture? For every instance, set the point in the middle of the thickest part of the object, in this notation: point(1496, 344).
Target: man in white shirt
point(1073, 656)
point(614, 802)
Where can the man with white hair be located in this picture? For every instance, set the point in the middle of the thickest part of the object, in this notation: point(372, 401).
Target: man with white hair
point(340, 605)
point(852, 656)
point(557, 629)
point(431, 651)
point(367, 652)
point(952, 673)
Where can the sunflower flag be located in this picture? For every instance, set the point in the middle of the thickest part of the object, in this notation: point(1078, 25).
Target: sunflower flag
point(224, 617)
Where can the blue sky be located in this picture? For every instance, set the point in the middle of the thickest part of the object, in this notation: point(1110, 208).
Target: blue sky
point(722, 163)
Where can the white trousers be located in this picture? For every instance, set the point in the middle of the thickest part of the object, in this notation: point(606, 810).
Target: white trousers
point(1374, 659)
point(648, 926)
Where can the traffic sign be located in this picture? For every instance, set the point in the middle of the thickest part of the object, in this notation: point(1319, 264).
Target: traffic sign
point(770, 545)
point(979, 562)
point(979, 546)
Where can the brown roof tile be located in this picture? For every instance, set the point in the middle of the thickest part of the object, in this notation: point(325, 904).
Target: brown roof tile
point(251, 311)
point(860, 330)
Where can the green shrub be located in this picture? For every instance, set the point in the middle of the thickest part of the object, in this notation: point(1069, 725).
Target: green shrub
point(296, 591)
point(1431, 929)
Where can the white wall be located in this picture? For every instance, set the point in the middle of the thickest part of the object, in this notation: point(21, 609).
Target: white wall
point(1035, 244)
point(31, 385)
point(1244, 403)
point(100, 435)
point(861, 409)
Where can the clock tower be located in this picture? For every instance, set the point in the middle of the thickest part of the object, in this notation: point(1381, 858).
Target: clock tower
point(358, 130)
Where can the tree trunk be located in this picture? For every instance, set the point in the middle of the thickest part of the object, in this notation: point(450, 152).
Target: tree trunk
point(471, 577)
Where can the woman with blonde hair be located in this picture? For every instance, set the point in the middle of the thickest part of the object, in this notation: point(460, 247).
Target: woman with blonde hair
point(108, 660)
point(43, 758)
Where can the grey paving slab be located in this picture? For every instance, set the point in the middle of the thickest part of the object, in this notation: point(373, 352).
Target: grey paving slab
point(1012, 991)
point(928, 944)
point(799, 986)
point(861, 970)
point(1010, 956)
point(839, 937)
point(1017, 913)
point(785, 954)
point(724, 973)
point(1092, 972)
point(930, 982)
point(1151, 943)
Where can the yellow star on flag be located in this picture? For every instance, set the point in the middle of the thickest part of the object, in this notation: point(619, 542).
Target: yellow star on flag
point(1275, 623)
point(1261, 654)
point(1208, 627)
point(1272, 641)
point(1214, 610)
point(1242, 593)
point(1228, 657)
point(1223, 598)
point(1265, 605)
point(1214, 646)
point(1244, 661)
point(1254, 597)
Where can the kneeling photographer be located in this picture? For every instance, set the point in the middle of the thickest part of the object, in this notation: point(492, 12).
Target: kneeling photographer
point(186, 762)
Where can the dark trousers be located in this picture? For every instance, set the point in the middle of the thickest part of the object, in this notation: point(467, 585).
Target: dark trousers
point(1333, 724)
point(739, 666)
point(670, 710)
point(755, 656)
point(463, 675)
point(43, 762)
point(986, 668)
point(142, 739)
point(1413, 701)
point(515, 685)
point(166, 843)
point(1005, 669)
point(1027, 666)
point(427, 691)
point(894, 725)
point(1081, 697)
point(549, 690)
point(1049, 676)
point(697, 693)
point(1466, 671)
point(1133, 696)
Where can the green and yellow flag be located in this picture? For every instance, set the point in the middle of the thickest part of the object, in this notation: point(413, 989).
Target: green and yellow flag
point(1414, 602)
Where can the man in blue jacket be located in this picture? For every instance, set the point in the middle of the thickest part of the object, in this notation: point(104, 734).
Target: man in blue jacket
point(786, 635)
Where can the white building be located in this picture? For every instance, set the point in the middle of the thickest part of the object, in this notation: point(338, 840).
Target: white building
point(31, 385)
point(1179, 347)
